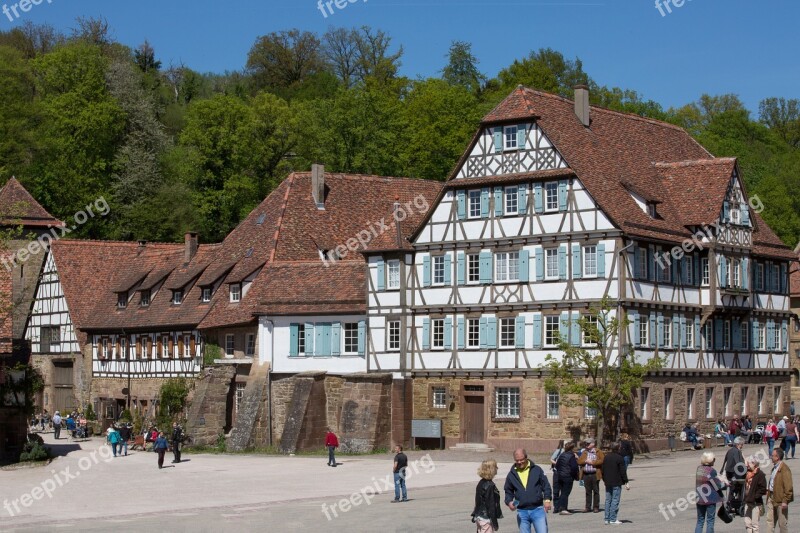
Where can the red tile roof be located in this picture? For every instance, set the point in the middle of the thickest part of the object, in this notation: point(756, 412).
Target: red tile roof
point(18, 207)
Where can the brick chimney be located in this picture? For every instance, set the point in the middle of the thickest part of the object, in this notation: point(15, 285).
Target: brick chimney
point(582, 104)
point(190, 246)
point(318, 185)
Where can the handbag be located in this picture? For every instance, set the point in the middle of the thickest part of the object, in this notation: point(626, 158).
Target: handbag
point(724, 515)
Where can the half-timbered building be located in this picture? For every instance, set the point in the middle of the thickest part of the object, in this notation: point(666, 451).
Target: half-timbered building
point(554, 206)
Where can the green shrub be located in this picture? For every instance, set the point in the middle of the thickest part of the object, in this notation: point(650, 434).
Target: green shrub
point(172, 402)
point(211, 352)
point(34, 450)
point(89, 413)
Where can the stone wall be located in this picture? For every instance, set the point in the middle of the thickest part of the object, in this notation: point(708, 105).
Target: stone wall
point(402, 412)
point(81, 379)
point(208, 410)
point(365, 419)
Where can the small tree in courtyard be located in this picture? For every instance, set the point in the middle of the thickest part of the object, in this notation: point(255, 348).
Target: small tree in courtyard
point(598, 372)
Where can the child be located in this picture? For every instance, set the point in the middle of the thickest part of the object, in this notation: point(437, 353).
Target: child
point(487, 499)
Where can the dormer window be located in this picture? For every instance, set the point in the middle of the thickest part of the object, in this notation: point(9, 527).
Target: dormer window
point(261, 218)
point(145, 298)
point(651, 210)
point(177, 297)
point(235, 292)
point(206, 294)
point(510, 134)
point(122, 300)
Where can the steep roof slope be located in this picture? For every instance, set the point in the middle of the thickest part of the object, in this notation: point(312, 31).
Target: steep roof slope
point(18, 207)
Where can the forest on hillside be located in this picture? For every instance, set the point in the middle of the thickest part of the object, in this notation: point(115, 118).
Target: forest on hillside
point(172, 149)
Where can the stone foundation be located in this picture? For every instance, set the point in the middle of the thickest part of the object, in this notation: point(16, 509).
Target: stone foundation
point(208, 411)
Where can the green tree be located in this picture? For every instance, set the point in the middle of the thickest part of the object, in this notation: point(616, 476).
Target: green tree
point(599, 373)
point(783, 117)
point(284, 60)
point(17, 114)
point(544, 70)
point(462, 68)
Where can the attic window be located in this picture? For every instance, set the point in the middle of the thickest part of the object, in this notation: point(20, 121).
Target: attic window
point(177, 296)
point(651, 210)
point(261, 218)
point(235, 292)
point(145, 301)
point(206, 295)
point(122, 300)
point(249, 252)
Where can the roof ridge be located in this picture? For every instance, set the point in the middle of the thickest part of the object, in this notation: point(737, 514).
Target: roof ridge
point(96, 242)
point(347, 175)
point(696, 162)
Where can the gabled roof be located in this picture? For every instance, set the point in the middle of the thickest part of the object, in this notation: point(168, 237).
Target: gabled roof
point(18, 207)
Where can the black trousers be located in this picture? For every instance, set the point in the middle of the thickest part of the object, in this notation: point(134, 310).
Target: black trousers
point(161, 453)
point(565, 489)
point(592, 485)
point(176, 450)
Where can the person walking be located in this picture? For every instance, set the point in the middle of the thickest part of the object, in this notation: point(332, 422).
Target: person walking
point(331, 442)
point(487, 510)
point(769, 435)
point(564, 475)
point(553, 458)
point(591, 472)
point(113, 438)
point(782, 432)
point(45, 418)
point(160, 448)
point(735, 471)
point(177, 440)
point(754, 490)
point(124, 437)
point(791, 438)
point(707, 485)
point(780, 493)
point(528, 492)
point(626, 450)
point(399, 471)
point(614, 477)
point(57, 425)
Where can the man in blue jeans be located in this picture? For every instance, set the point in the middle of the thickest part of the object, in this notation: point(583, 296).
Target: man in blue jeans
point(528, 493)
point(615, 475)
point(399, 471)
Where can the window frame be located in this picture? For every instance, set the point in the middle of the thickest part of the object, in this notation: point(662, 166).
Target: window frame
point(473, 269)
point(667, 335)
point(392, 283)
point(669, 412)
point(177, 297)
point(550, 192)
point(549, 320)
point(709, 403)
point(301, 339)
point(437, 270)
point(250, 347)
point(474, 203)
point(644, 403)
point(551, 254)
point(122, 300)
point(510, 143)
point(473, 327)
point(205, 294)
point(511, 193)
point(705, 272)
point(727, 394)
point(187, 346)
point(145, 297)
point(390, 341)
point(235, 292)
point(644, 331)
point(506, 332)
point(513, 403)
point(551, 414)
point(230, 345)
point(437, 334)
point(441, 391)
point(690, 407)
point(589, 270)
point(350, 338)
point(504, 265)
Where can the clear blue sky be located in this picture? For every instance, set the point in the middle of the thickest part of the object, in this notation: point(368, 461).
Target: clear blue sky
point(735, 46)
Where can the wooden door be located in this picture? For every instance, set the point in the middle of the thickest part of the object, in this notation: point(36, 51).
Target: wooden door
point(63, 395)
point(473, 419)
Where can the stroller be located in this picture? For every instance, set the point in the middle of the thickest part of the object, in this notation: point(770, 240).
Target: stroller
point(734, 497)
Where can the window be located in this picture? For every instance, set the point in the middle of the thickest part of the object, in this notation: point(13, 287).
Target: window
point(726, 335)
point(552, 405)
point(776, 343)
point(301, 339)
point(590, 261)
point(512, 200)
point(589, 413)
point(735, 269)
point(591, 335)
point(551, 330)
point(759, 277)
point(734, 211)
point(439, 397)
point(507, 266)
point(235, 291)
point(689, 335)
point(187, 346)
point(668, 414)
point(229, 345)
point(506, 402)
point(643, 263)
point(688, 270)
point(690, 403)
point(644, 331)
point(777, 396)
point(473, 268)
point(644, 403)
point(475, 203)
point(708, 336)
point(709, 402)
point(551, 196)
point(49, 336)
point(775, 278)
point(510, 137)
point(122, 300)
point(551, 263)
point(727, 401)
point(743, 401)
point(239, 394)
point(667, 333)
point(507, 329)
point(393, 274)
point(762, 337)
point(206, 294)
point(250, 348)
point(473, 333)
point(704, 265)
point(664, 268)
point(165, 347)
point(438, 270)
point(744, 330)
point(761, 391)
point(350, 337)
point(437, 333)
point(177, 296)
point(146, 350)
point(394, 335)
point(145, 298)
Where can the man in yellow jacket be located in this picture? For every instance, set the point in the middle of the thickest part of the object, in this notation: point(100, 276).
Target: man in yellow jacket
point(590, 470)
point(779, 493)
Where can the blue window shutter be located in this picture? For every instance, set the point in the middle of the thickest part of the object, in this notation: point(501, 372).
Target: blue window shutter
point(784, 278)
point(485, 202)
point(484, 333)
point(770, 335)
point(485, 267)
point(683, 331)
point(336, 338)
point(784, 335)
point(491, 332)
point(362, 337)
point(697, 341)
point(461, 208)
point(537, 330)
point(726, 212)
point(381, 275)
point(538, 198)
point(637, 271)
point(426, 270)
point(653, 330)
point(651, 264)
point(294, 341)
point(562, 261)
point(448, 270)
point(539, 258)
point(698, 270)
point(519, 332)
point(745, 215)
point(575, 329)
point(736, 339)
point(309, 327)
point(563, 326)
point(634, 317)
point(754, 336)
point(461, 335)
point(576, 261)
point(322, 346)
point(461, 268)
point(718, 333)
point(723, 271)
point(660, 320)
point(522, 199)
point(745, 273)
point(448, 333)
point(426, 333)
point(524, 265)
point(676, 331)
point(498, 201)
point(675, 273)
point(521, 137)
point(498, 139)
point(601, 260)
point(562, 195)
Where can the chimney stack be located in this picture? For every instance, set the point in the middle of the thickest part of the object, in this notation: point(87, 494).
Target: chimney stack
point(190, 248)
point(582, 104)
point(318, 185)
